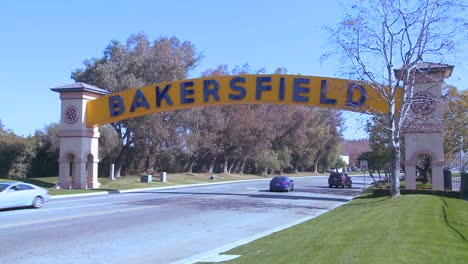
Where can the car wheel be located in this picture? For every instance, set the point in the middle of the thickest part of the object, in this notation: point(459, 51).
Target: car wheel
point(37, 202)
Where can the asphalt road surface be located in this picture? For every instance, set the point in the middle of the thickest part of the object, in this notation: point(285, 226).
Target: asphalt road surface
point(182, 225)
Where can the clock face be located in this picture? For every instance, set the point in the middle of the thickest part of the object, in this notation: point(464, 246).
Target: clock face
point(71, 114)
point(423, 103)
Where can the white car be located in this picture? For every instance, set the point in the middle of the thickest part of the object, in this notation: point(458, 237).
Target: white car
point(20, 194)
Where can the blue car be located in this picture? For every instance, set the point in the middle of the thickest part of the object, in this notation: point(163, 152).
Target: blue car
point(281, 183)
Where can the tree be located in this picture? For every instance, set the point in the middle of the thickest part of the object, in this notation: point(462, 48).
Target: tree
point(378, 161)
point(1, 128)
point(378, 35)
point(227, 126)
point(136, 63)
point(354, 148)
point(456, 123)
point(45, 162)
point(340, 163)
point(15, 155)
point(327, 138)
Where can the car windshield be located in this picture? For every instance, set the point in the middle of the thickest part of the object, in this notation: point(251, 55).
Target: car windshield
point(3, 186)
point(280, 178)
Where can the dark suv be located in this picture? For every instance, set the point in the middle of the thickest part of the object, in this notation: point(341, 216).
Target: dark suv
point(339, 179)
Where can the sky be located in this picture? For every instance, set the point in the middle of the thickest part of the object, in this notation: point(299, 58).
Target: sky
point(42, 42)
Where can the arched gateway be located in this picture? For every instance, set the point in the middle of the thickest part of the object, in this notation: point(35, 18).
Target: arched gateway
point(85, 107)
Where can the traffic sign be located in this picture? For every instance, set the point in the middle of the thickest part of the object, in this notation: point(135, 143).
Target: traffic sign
point(363, 164)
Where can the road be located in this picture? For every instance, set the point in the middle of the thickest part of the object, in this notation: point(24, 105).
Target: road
point(182, 225)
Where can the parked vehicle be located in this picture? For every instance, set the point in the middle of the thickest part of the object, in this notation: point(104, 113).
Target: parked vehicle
point(281, 183)
point(339, 179)
point(20, 194)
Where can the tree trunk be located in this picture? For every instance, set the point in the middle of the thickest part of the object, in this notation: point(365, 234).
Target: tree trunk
point(394, 178)
point(151, 164)
point(118, 164)
point(394, 135)
point(191, 162)
point(372, 176)
point(265, 171)
point(316, 164)
point(190, 166)
point(233, 165)
point(242, 167)
point(225, 166)
point(212, 164)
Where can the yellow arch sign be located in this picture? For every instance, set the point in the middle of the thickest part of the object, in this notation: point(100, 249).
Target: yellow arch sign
point(236, 89)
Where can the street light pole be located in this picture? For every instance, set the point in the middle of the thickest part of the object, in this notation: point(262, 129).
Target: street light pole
point(463, 177)
point(461, 155)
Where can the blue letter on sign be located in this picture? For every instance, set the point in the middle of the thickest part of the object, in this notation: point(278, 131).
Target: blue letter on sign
point(261, 87)
point(351, 88)
point(298, 89)
point(138, 101)
point(281, 89)
point(207, 91)
point(116, 105)
point(184, 92)
point(323, 94)
point(163, 95)
point(235, 87)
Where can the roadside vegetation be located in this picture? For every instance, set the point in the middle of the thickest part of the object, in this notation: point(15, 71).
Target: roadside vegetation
point(407, 229)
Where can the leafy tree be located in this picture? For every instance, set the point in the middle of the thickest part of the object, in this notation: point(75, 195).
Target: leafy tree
point(378, 162)
point(15, 154)
point(193, 130)
point(354, 148)
point(136, 63)
point(424, 168)
point(2, 131)
point(226, 141)
point(21, 167)
point(378, 35)
point(327, 138)
point(340, 163)
point(456, 123)
point(109, 147)
point(45, 161)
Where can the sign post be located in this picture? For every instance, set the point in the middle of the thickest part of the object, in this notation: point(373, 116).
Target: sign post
point(364, 167)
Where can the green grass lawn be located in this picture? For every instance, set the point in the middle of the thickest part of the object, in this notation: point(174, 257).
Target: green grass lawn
point(407, 229)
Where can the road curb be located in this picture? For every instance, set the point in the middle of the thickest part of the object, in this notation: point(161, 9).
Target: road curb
point(160, 188)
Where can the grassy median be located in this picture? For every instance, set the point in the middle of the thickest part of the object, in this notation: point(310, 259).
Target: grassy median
point(134, 181)
point(408, 229)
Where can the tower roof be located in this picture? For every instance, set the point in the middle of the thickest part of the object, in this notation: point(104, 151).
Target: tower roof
point(80, 87)
point(431, 67)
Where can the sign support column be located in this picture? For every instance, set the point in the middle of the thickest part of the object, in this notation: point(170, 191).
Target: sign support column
point(78, 160)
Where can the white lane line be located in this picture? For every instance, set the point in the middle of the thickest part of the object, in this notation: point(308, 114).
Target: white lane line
point(71, 217)
point(80, 206)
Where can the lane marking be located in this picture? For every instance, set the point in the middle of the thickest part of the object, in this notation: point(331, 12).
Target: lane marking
point(71, 217)
point(43, 210)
